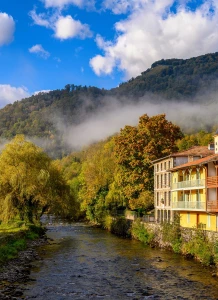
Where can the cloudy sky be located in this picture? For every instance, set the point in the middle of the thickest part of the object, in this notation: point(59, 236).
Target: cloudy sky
point(46, 44)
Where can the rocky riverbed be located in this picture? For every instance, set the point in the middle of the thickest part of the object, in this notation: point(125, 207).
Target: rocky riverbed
point(81, 262)
point(17, 271)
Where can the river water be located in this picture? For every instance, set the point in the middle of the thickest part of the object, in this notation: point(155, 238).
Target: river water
point(83, 262)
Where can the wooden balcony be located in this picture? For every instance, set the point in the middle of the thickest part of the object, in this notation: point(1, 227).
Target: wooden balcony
point(212, 206)
point(212, 182)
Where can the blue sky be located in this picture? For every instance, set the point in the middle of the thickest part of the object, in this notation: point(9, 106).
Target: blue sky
point(46, 44)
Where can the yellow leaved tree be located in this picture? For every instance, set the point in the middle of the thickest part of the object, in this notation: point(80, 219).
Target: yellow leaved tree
point(30, 183)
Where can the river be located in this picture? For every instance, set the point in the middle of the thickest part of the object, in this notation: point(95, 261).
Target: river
point(83, 262)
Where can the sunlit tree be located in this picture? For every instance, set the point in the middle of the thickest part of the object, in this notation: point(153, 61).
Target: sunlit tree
point(29, 182)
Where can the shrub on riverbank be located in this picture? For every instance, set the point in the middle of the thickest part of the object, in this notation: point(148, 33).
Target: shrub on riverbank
point(199, 246)
point(14, 239)
point(171, 234)
point(119, 225)
point(139, 232)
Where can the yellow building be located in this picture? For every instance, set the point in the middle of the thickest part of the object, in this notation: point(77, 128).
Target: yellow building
point(194, 193)
point(163, 181)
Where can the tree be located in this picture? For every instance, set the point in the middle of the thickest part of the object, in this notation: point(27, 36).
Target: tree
point(137, 146)
point(96, 176)
point(29, 182)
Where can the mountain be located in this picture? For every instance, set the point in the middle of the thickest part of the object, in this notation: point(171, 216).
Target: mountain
point(47, 115)
point(174, 78)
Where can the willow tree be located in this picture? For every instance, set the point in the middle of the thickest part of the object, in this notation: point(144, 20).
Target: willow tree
point(29, 182)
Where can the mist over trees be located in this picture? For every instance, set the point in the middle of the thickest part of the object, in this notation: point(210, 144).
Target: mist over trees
point(48, 118)
point(117, 174)
point(108, 175)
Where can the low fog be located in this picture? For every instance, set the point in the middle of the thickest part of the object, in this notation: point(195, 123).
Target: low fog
point(191, 115)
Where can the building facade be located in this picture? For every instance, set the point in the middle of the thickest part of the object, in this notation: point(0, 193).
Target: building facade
point(195, 193)
point(163, 179)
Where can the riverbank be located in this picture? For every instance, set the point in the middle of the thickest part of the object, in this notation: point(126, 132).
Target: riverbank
point(17, 251)
point(192, 243)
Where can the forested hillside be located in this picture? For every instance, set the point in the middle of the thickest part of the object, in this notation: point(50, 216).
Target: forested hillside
point(174, 78)
point(47, 115)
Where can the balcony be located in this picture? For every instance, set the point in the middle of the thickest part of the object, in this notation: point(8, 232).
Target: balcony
point(212, 182)
point(189, 205)
point(189, 184)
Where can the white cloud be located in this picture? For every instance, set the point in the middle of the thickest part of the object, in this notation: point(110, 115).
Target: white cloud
point(101, 64)
point(38, 49)
point(9, 94)
point(7, 28)
point(62, 3)
point(151, 32)
point(64, 27)
point(67, 27)
point(39, 19)
point(41, 92)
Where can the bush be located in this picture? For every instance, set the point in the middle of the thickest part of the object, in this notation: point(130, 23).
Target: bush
point(199, 247)
point(121, 226)
point(171, 234)
point(140, 233)
point(107, 222)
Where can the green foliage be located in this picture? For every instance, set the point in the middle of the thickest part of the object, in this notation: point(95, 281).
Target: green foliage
point(14, 239)
point(107, 222)
point(139, 232)
point(30, 183)
point(174, 78)
point(200, 247)
point(121, 227)
point(171, 233)
point(201, 138)
point(169, 79)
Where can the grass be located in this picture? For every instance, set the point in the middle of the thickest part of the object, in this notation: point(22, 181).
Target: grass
point(14, 237)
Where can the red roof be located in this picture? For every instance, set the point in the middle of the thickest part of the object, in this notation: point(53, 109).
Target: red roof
point(195, 151)
point(201, 151)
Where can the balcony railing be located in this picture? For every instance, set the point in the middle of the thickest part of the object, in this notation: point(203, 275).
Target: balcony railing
point(189, 184)
point(189, 205)
point(212, 181)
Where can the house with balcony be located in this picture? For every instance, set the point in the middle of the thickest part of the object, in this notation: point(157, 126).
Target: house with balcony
point(194, 193)
point(163, 179)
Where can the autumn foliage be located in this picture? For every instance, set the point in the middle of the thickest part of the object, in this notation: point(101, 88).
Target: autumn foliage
point(136, 147)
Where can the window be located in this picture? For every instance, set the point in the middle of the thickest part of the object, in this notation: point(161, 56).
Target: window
point(157, 182)
point(157, 199)
point(188, 217)
point(161, 181)
point(169, 164)
point(161, 166)
point(169, 198)
point(208, 220)
point(157, 167)
point(169, 181)
point(165, 166)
